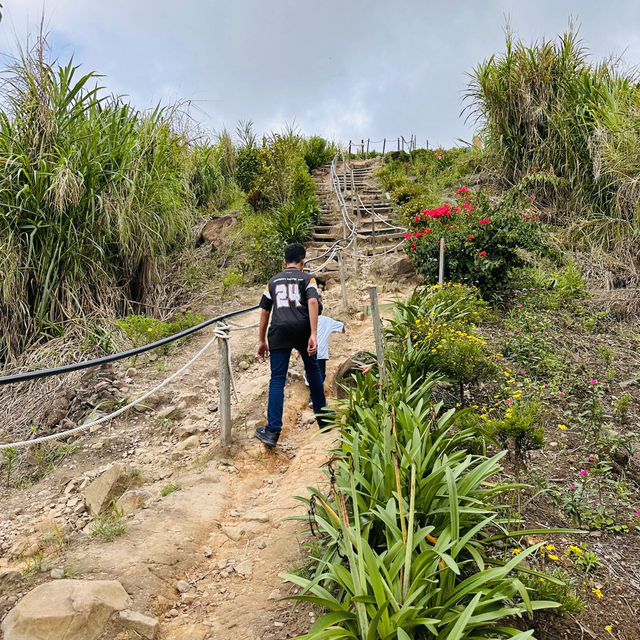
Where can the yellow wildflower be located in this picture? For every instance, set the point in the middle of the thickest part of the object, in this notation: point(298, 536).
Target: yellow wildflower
point(597, 592)
point(562, 427)
point(552, 557)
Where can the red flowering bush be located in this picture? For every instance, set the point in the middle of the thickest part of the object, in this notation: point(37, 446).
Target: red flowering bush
point(483, 241)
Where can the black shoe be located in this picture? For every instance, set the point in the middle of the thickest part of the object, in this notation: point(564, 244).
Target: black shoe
point(270, 438)
point(325, 419)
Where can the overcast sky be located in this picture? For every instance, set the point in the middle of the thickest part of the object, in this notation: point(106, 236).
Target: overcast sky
point(344, 69)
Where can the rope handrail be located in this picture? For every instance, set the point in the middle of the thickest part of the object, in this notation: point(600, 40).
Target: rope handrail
point(343, 243)
point(43, 373)
point(373, 212)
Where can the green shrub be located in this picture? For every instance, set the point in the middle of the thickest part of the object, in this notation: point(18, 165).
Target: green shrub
point(519, 429)
point(318, 151)
point(484, 242)
point(93, 193)
point(142, 329)
point(546, 107)
point(293, 220)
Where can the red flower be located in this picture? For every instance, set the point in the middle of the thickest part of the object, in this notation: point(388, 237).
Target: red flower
point(408, 235)
point(457, 209)
point(482, 254)
point(462, 190)
point(485, 221)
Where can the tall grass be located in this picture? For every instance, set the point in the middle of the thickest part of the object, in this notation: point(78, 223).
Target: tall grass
point(546, 106)
point(92, 193)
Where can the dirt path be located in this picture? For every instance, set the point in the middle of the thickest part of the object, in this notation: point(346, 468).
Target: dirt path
point(223, 531)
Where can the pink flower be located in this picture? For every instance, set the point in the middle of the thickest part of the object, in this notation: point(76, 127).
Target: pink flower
point(532, 197)
point(573, 487)
point(561, 393)
point(593, 382)
point(523, 372)
point(519, 306)
point(590, 458)
point(584, 472)
point(638, 513)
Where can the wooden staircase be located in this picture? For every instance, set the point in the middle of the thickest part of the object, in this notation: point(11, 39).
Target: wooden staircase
point(373, 235)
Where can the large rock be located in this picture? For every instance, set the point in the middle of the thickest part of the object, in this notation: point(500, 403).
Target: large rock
point(393, 267)
point(348, 367)
point(106, 487)
point(215, 228)
point(69, 609)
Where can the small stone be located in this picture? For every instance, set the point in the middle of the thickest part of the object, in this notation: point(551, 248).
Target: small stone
point(261, 544)
point(57, 573)
point(207, 552)
point(191, 442)
point(146, 626)
point(256, 516)
point(244, 365)
point(131, 372)
point(9, 577)
point(222, 564)
point(244, 569)
point(183, 586)
point(189, 598)
point(173, 613)
point(278, 624)
point(275, 595)
point(166, 412)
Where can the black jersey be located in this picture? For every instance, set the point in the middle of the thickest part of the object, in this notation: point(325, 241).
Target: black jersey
point(288, 294)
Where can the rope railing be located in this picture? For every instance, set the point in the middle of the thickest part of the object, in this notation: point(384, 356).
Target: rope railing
point(221, 332)
point(68, 368)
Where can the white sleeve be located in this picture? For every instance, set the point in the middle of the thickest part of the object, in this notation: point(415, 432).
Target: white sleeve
point(336, 326)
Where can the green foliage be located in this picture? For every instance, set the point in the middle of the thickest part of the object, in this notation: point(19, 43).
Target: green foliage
point(561, 589)
point(519, 429)
point(421, 179)
point(108, 526)
point(318, 151)
point(92, 193)
point(545, 106)
point(142, 329)
point(484, 241)
point(232, 279)
point(9, 457)
point(293, 220)
point(407, 522)
point(434, 328)
point(168, 489)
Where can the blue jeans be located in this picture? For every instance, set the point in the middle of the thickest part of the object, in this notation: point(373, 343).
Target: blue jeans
point(279, 360)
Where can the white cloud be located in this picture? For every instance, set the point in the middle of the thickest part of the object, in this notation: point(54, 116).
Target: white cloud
point(342, 68)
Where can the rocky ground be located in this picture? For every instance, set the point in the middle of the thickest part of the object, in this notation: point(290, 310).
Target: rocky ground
point(203, 531)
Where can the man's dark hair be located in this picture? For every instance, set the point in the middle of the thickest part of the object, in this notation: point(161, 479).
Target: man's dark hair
point(294, 253)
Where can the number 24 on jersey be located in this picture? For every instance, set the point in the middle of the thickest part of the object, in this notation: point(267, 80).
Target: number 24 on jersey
point(285, 294)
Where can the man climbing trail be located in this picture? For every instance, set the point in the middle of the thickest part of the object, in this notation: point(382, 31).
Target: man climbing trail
point(291, 299)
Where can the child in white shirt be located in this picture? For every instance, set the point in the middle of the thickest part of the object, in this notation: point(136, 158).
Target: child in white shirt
point(326, 326)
